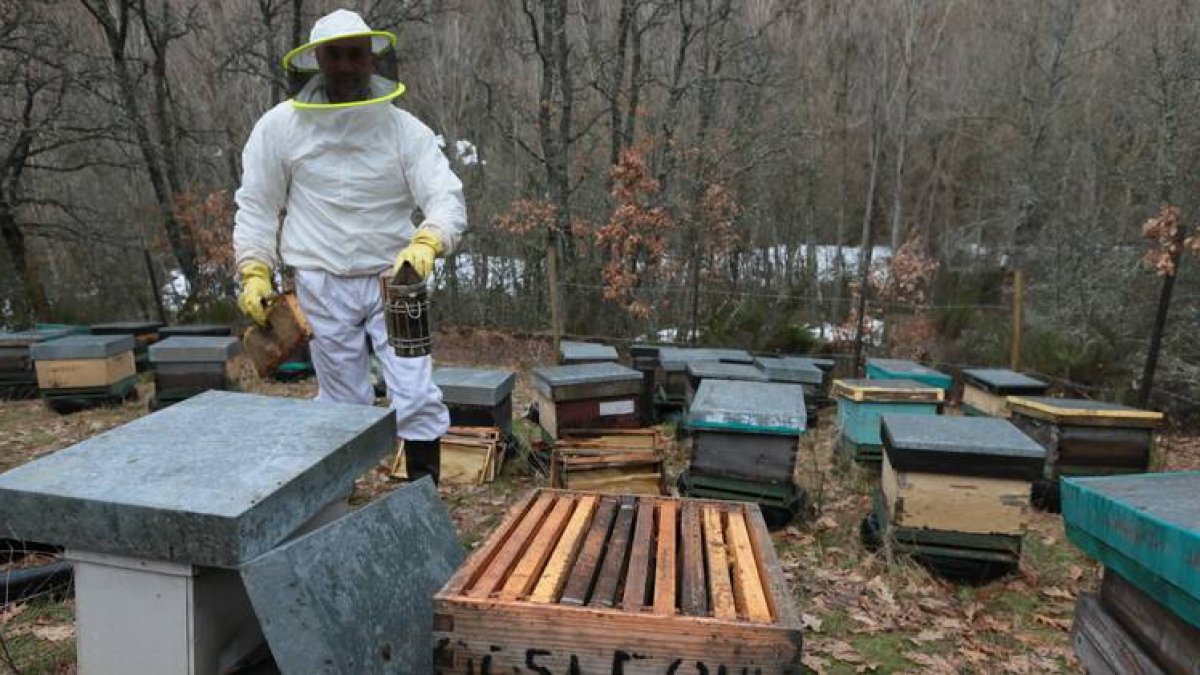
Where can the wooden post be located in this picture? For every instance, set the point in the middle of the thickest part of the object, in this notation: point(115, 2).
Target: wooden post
point(552, 272)
point(1018, 308)
point(1160, 320)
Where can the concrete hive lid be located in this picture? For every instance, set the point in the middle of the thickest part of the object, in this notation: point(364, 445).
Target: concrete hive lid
point(974, 446)
point(26, 338)
point(749, 407)
point(215, 480)
point(356, 595)
point(675, 359)
point(126, 327)
point(587, 380)
point(719, 370)
point(213, 329)
point(474, 386)
point(586, 351)
point(1084, 412)
point(82, 347)
point(863, 390)
point(195, 349)
point(1004, 381)
point(790, 369)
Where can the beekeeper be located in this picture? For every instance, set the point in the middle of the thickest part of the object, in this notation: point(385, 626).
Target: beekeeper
point(348, 168)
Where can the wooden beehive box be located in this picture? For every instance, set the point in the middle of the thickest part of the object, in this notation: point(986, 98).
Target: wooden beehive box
point(572, 353)
point(588, 395)
point(673, 362)
point(574, 582)
point(1087, 438)
point(699, 371)
point(986, 390)
point(862, 402)
point(186, 365)
point(84, 363)
point(477, 397)
point(286, 331)
point(968, 479)
point(626, 461)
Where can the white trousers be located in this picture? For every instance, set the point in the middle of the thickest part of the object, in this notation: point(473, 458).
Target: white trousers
point(345, 312)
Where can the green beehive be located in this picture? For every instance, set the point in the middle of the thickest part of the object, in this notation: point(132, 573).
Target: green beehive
point(862, 402)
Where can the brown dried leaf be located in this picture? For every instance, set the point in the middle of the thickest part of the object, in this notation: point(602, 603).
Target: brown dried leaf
point(1058, 594)
point(1060, 624)
point(57, 633)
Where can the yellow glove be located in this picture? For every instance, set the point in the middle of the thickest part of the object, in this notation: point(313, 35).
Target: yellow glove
point(420, 252)
point(256, 288)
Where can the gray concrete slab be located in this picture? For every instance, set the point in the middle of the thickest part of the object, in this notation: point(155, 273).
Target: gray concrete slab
point(749, 407)
point(82, 347)
point(356, 596)
point(790, 369)
point(702, 370)
point(474, 386)
point(960, 445)
point(195, 349)
point(675, 359)
point(576, 352)
point(213, 329)
point(1004, 381)
point(126, 327)
point(587, 380)
point(215, 480)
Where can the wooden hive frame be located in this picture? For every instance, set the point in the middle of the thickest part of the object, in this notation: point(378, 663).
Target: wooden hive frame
point(286, 331)
point(469, 456)
point(581, 582)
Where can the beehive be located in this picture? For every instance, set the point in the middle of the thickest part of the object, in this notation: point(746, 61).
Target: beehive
point(574, 353)
point(188, 365)
point(901, 369)
point(144, 333)
point(1085, 438)
point(78, 370)
point(18, 377)
point(622, 461)
point(580, 582)
point(673, 363)
point(957, 486)
point(699, 371)
point(1145, 529)
point(986, 390)
point(862, 402)
point(590, 395)
point(477, 397)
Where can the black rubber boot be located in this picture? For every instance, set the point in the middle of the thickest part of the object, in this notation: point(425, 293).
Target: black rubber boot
point(423, 458)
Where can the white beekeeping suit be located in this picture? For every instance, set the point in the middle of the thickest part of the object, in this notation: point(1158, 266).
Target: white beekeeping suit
point(349, 176)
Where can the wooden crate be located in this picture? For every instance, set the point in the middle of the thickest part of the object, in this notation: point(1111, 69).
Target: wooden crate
point(287, 330)
point(84, 373)
point(606, 464)
point(575, 582)
point(469, 456)
point(1123, 630)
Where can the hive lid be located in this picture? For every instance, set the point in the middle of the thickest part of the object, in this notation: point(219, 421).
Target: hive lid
point(1146, 527)
point(570, 351)
point(790, 369)
point(587, 380)
point(28, 338)
point(82, 347)
point(675, 359)
point(903, 368)
point(875, 391)
point(216, 480)
point(975, 446)
point(725, 371)
point(1083, 412)
point(213, 329)
point(126, 327)
point(749, 407)
point(1004, 381)
point(356, 595)
point(195, 349)
point(474, 386)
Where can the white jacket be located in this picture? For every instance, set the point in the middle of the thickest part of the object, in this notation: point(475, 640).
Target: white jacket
point(349, 179)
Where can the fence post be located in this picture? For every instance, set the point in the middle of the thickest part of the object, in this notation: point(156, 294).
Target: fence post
point(1018, 308)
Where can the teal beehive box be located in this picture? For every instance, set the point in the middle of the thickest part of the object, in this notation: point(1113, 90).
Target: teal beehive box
point(1144, 527)
point(900, 369)
point(862, 402)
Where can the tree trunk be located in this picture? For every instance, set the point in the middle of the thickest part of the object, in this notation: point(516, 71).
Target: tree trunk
point(14, 240)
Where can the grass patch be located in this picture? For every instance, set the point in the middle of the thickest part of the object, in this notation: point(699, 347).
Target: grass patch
point(31, 654)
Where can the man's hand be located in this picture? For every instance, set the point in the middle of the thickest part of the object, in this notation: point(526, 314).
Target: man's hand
point(420, 252)
point(256, 288)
